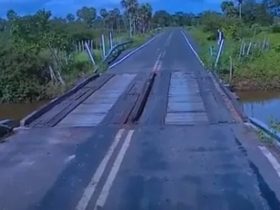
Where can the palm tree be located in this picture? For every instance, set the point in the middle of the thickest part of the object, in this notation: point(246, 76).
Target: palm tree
point(131, 7)
point(240, 8)
point(104, 15)
point(117, 17)
point(144, 16)
point(113, 18)
point(229, 9)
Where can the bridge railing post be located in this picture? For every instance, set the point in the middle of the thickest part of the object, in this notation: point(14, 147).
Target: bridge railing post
point(219, 53)
point(103, 45)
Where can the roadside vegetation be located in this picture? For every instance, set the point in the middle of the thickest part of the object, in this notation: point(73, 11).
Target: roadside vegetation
point(41, 56)
point(270, 138)
point(252, 43)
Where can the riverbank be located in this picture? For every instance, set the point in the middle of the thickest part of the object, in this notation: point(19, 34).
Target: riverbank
point(41, 56)
point(262, 105)
point(258, 71)
point(262, 109)
point(18, 111)
point(77, 68)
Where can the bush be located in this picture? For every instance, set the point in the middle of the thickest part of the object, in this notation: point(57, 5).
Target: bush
point(211, 21)
point(22, 75)
point(276, 28)
point(80, 64)
point(236, 29)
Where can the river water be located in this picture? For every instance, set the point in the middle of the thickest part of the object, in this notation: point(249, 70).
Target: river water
point(18, 111)
point(262, 105)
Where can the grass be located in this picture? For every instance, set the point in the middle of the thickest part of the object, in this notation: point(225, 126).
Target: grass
point(256, 72)
point(265, 138)
point(141, 38)
point(274, 125)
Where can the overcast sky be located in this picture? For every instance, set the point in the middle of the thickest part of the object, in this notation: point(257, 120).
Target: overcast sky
point(63, 7)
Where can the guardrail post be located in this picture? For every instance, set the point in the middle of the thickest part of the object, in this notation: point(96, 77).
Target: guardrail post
point(230, 69)
point(103, 45)
point(89, 54)
point(244, 49)
point(111, 40)
point(219, 53)
point(241, 50)
point(211, 51)
point(249, 48)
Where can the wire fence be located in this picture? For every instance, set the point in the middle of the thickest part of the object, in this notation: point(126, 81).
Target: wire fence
point(222, 54)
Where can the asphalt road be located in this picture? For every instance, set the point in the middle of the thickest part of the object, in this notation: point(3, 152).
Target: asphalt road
point(188, 150)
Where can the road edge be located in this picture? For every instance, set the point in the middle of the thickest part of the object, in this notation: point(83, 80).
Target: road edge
point(216, 80)
point(133, 51)
point(256, 162)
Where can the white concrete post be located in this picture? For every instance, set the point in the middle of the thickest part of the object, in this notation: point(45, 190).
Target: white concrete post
point(103, 46)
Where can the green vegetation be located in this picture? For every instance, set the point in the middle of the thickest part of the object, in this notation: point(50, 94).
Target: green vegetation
point(274, 125)
point(41, 56)
point(265, 138)
point(256, 27)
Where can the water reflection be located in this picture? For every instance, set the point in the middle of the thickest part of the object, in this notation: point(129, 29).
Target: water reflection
point(262, 105)
point(18, 111)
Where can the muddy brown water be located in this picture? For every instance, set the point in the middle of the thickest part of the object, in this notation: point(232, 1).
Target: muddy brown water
point(18, 111)
point(262, 105)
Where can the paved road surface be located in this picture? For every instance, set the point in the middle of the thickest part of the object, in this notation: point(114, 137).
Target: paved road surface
point(188, 150)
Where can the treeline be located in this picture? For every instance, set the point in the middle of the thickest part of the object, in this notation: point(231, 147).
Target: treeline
point(138, 20)
point(241, 18)
point(38, 57)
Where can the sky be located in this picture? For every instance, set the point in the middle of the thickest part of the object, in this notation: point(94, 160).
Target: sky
point(63, 7)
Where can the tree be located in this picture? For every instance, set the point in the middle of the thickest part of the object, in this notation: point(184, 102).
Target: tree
point(211, 21)
point(254, 12)
point(182, 19)
point(114, 17)
point(11, 15)
point(3, 24)
point(145, 13)
point(162, 18)
point(262, 15)
point(240, 8)
point(179, 18)
point(229, 9)
point(118, 17)
point(273, 6)
point(103, 13)
point(131, 7)
point(87, 15)
point(70, 18)
point(32, 30)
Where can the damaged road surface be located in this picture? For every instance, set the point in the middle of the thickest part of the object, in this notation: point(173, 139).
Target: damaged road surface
point(152, 133)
